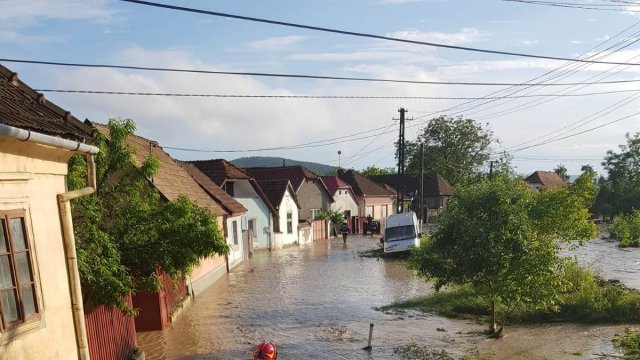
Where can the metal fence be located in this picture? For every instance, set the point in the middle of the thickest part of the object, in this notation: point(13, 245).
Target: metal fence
point(111, 333)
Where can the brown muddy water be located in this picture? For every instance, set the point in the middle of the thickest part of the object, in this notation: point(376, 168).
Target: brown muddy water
point(316, 301)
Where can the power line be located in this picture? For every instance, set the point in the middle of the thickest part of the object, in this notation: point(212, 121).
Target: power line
point(139, 93)
point(359, 34)
point(294, 76)
point(565, 5)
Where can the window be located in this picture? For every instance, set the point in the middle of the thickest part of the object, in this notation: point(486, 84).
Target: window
point(384, 211)
point(314, 213)
point(370, 211)
point(228, 187)
point(289, 222)
point(18, 301)
point(235, 232)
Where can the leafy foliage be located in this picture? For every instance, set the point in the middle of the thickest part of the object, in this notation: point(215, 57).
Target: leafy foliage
point(500, 237)
point(629, 342)
point(561, 170)
point(626, 229)
point(621, 190)
point(374, 170)
point(126, 231)
point(455, 148)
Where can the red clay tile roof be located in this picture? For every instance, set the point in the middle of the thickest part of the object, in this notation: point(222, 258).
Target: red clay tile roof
point(333, 183)
point(363, 186)
point(230, 204)
point(434, 184)
point(548, 179)
point(171, 180)
point(22, 107)
point(275, 190)
point(220, 170)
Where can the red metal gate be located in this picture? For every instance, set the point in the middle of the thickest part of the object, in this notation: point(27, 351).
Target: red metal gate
point(111, 333)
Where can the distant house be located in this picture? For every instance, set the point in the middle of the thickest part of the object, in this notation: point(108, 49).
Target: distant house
point(311, 192)
point(373, 199)
point(344, 199)
point(173, 181)
point(41, 314)
point(285, 223)
point(544, 180)
point(437, 191)
point(234, 222)
point(244, 189)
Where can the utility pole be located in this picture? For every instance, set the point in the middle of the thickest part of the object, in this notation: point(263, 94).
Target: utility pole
point(421, 198)
point(400, 196)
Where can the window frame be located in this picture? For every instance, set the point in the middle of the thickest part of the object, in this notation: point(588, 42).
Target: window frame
point(229, 188)
point(289, 222)
point(234, 225)
point(5, 218)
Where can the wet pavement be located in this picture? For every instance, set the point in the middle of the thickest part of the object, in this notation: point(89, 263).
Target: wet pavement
point(317, 300)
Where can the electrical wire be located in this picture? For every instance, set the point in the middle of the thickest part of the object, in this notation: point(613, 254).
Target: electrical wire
point(293, 76)
point(360, 34)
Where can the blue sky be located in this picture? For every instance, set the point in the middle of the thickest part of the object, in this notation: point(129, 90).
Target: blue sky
point(115, 32)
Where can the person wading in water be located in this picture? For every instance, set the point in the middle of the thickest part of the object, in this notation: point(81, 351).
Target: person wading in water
point(344, 229)
point(265, 351)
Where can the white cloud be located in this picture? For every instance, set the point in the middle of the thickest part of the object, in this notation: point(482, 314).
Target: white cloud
point(276, 43)
point(16, 38)
point(32, 10)
point(576, 42)
point(602, 38)
point(533, 42)
point(464, 36)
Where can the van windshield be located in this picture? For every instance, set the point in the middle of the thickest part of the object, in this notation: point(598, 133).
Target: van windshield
point(399, 233)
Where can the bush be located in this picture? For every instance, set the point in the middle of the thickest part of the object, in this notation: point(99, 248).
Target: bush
point(629, 342)
point(626, 229)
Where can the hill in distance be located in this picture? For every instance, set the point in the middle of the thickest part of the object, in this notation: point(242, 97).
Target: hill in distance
point(268, 161)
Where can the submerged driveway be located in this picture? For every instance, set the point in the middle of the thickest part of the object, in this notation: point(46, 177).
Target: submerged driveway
point(313, 301)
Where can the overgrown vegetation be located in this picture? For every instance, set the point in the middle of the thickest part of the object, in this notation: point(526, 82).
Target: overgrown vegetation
point(629, 342)
point(584, 297)
point(126, 231)
point(626, 229)
point(501, 239)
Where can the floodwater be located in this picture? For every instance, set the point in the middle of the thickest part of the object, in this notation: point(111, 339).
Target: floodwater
point(317, 301)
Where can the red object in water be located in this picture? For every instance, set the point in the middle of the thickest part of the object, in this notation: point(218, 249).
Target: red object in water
point(265, 351)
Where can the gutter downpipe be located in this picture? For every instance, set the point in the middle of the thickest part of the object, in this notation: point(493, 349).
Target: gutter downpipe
point(64, 207)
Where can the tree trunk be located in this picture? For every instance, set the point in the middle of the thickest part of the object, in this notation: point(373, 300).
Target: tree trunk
point(492, 326)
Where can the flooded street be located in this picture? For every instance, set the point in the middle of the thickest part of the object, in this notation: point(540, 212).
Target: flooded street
point(317, 300)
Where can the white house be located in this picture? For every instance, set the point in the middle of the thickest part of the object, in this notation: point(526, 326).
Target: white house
point(344, 199)
point(285, 222)
point(257, 224)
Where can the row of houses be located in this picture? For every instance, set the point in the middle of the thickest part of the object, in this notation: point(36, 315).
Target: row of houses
point(41, 305)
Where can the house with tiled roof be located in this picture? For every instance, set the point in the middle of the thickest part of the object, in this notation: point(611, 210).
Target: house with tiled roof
point(436, 190)
point(172, 181)
point(283, 198)
point(258, 222)
point(545, 180)
point(312, 193)
point(41, 307)
point(373, 200)
point(233, 217)
point(344, 199)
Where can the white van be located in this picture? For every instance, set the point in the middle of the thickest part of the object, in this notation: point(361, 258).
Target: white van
point(401, 232)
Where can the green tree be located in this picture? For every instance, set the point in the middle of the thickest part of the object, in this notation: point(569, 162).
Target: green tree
point(623, 180)
point(374, 170)
point(126, 231)
point(455, 148)
point(561, 170)
point(501, 238)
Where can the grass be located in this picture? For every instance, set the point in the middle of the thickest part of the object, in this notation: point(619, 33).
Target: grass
point(629, 342)
point(587, 299)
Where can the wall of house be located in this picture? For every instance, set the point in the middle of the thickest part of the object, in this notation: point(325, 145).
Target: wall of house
point(344, 200)
point(31, 176)
point(208, 271)
point(284, 239)
point(256, 209)
point(311, 195)
point(236, 252)
point(377, 203)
